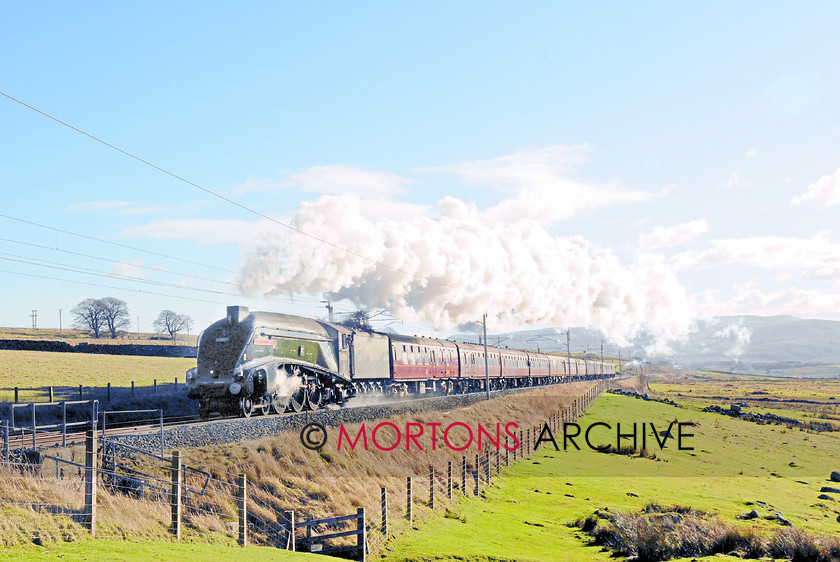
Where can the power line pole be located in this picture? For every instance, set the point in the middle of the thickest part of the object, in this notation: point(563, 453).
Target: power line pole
point(568, 348)
point(486, 359)
point(602, 351)
point(34, 317)
point(59, 320)
point(329, 308)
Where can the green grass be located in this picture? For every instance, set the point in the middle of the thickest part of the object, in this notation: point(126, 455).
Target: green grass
point(524, 514)
point(30, 369)
point(127, 550)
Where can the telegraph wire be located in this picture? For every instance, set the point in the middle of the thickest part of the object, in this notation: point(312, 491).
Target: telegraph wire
point(126, 246)
point(220, 196)
point(146, 267)
point(86, 271)
point(108, 286)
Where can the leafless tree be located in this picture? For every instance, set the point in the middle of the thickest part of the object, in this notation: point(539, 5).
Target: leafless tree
point(170, 322)
point(115, 314)
point(359, 320)
point(88, 315)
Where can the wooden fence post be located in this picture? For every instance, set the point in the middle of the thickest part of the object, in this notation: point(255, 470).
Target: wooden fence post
point(34, 427)
point(132, 389)
point(449, 480)
point(431, 487)
point(477, 474)
point(6, 442)
point(175, 496)
point(17, 396)
point(155, 386)
point(91, 449)
point(361, 537)
point(464, 475)
point(242, 508)
point(408, 500)
point(63, 424)
point(109, 392)
point(487, 466)
point(80, 392)
point(498, 462)
point(384, 511)
point(52, 395)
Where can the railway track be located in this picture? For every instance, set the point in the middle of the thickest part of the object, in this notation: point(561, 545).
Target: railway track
point(189, 431)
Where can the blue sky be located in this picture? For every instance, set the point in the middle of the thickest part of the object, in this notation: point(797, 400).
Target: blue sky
point(677, 160)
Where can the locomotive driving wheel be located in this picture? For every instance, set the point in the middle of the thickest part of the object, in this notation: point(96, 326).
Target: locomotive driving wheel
point(246, 405)
point(275, 406)
point(314, 398)
point(297, 400)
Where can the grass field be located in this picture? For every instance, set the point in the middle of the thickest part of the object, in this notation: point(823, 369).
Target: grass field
point(78, 336)
point(734, 466)
point(38, 369)
point(805, 399)
point(107, 550)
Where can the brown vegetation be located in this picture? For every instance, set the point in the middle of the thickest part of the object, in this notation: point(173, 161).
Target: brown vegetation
point(282, 475)
point(663, 533)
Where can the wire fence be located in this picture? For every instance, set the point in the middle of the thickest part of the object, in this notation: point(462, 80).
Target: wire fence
point(64, 495)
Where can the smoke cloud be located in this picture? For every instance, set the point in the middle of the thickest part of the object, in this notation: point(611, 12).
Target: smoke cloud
point(450, 270)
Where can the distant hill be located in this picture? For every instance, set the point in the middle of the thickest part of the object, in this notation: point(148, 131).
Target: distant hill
point(761, 342)
point(779, 344)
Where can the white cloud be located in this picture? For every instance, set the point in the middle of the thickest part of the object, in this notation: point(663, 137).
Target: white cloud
point(825, 191)
point(377, 209)
point(662, 236)
point(540, 183)
point(817, 256)
point(336, 179)
point(751, 153)
point(791, 301)
point(734, 180)
point(203, 231)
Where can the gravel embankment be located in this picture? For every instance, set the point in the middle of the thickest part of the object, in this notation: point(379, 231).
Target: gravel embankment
point(234, 430)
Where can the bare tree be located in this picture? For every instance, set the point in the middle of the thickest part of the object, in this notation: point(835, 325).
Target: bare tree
point(169, 322)
point(115, 314)
point(88, 315)
point(359, 320)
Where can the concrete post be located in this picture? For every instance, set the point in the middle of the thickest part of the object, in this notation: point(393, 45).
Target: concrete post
point(431, 487)
point(384, 494)
point(242, 508)
point(175, 496)
point(91, 450)
point(409, 500)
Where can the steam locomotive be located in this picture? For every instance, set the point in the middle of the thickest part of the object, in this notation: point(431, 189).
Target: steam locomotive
point(261, 362)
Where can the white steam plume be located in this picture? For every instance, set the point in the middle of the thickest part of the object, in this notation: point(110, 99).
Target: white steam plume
point(452, 269)
point(740, 335)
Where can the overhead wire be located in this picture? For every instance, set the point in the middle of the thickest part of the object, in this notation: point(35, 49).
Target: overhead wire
point(125, 246)
point(144, 267)
point(220, 196)
point(87, 271)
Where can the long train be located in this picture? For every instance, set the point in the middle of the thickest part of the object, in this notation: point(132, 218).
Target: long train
point(261, 362)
